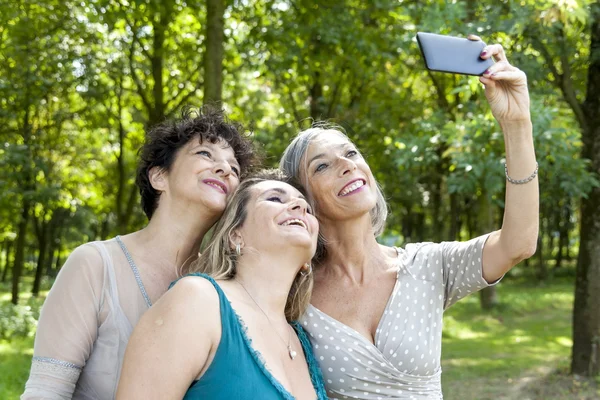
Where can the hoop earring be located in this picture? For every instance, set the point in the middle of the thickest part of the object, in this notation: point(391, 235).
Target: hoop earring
point(307, 270)
point(238, 249)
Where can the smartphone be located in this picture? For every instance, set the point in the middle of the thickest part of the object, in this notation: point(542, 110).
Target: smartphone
point(452, 54)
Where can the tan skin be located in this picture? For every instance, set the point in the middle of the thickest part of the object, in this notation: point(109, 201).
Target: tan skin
point(354, 283)
point(345, 300)
point(188, 207)
point(345, 286)
point(156, 367)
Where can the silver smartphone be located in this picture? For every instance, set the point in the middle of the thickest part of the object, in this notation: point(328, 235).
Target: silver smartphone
point(452, 54)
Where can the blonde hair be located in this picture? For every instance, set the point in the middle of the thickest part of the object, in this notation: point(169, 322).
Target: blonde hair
point(294, 161)
point(219, 260)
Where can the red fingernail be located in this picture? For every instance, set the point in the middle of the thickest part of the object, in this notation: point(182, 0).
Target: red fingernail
point(483, 53)
point(487, 72)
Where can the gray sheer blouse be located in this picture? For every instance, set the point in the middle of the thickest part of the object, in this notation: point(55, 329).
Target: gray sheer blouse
point(85, 325)
point(404, 362)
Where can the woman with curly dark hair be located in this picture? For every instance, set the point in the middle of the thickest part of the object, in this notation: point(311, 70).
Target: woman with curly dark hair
point(188, 169)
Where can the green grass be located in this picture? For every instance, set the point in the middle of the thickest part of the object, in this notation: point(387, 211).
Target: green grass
point(16, 353)
point(519, 351)
point(15, 360)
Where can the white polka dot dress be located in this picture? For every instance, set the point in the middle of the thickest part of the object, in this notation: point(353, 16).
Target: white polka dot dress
point(404, 363)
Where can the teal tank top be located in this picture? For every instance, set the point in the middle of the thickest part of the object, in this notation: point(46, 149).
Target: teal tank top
point(238, 371)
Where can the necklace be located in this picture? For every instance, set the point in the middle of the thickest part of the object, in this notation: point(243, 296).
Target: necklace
point(291, 351)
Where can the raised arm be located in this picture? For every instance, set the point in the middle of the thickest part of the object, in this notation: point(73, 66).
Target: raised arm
point(67, 327)
point(173, 343)
point(507, 94)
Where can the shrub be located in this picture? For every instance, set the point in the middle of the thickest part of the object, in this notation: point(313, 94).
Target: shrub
point(19, 320)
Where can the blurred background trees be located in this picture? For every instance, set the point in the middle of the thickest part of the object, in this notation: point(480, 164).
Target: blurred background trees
point(79, 82)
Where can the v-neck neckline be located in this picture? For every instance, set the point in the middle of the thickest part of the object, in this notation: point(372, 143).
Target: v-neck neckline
point(256, 354)
point(381, 318)
point(353, 331)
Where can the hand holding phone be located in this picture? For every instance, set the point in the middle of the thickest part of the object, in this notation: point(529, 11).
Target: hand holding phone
point(452, 54)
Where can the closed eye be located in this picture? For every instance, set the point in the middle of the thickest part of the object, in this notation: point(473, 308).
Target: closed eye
point(320, 167)
point(275, 199)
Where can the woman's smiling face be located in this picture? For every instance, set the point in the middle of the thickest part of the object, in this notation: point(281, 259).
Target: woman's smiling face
point(279, 216)
point(338, 178)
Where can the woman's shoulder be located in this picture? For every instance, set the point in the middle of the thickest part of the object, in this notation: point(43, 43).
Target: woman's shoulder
point(192, 304)
point(409, 253)
point(195, 288)
point(87, 252)
point(419, 259)
point(85, 260)
point(93, 253)
point(411, 250)
point(195, 279)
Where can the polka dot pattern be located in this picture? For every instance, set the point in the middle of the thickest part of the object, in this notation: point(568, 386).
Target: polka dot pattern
point(404, 363)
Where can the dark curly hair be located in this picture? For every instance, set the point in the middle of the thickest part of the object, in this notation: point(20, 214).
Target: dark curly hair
point(165, 139)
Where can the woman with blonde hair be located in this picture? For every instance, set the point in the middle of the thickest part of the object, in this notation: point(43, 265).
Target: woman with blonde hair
point(228, 331)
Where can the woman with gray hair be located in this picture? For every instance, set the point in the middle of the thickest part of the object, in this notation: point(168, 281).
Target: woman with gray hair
point(375, 319)
point(228, 331)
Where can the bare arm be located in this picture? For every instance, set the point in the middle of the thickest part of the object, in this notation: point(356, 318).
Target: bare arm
point(173, 342)
point(507, 93)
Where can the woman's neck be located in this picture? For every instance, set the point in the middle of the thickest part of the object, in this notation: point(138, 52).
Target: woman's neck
point(352, 250)
point(268, 278)
point(169, 244)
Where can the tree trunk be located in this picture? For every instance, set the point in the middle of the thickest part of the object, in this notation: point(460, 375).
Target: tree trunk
point(586, 313)
point(20, 251)
point(407, 225)
point(4, 250)
point(316, 98)
point(420, 226)
point(122, 217)
point(563, 236)
point(28, 187)
point(455, 221)
point(542, 271)
point(160, 25)
point(551, 234)
point(49, 258)
point(559, 253)
point(470, 217)
point(9, 247)
point(41, 262)
point(58, 260)
point(104, 228)
point(436, 208)
point(488, 297)
point(213, 59)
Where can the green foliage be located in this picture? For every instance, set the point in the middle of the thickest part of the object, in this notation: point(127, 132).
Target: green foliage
point(80, 81)
point(19, 320)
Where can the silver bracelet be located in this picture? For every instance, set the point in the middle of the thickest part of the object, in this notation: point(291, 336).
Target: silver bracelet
point(520, 181)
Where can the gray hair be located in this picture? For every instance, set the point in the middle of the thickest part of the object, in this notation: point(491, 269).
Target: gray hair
point(294, 161)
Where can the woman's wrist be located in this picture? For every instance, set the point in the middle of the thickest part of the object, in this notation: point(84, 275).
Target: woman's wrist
point(512, 127)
